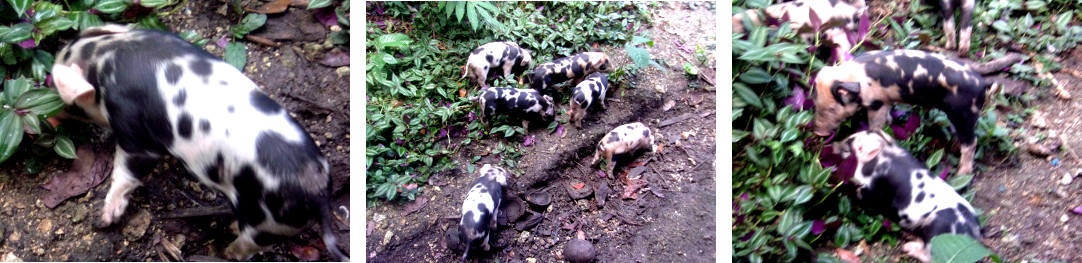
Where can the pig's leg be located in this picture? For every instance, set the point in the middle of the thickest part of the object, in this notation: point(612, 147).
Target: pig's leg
point(877, 118)
point(965, 122)
point(967, 27)
point(917, 250)
point(127, 167)
point(246, 243)
point(948, 22)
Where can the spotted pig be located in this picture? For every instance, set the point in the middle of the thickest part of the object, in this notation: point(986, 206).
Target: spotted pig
point(875, 80)
point(525, 104)
point(506, 58)
point(479, 211)
point(891, 178)
point(836, 16)
point(164, 96)
point(574, 67)
point(626, 138)
point(586, 93)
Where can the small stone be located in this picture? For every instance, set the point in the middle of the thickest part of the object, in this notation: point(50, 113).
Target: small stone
point(138, 225)
point(288, 58)
point(45, 226)
point(387, 237)
point(343, 72)
point(378, 217)
point(531, 260)
point(659, 89)
point(1066, 180)
point(79, 215)
point(313, 48)
point(11, 257)
point(1064, 218)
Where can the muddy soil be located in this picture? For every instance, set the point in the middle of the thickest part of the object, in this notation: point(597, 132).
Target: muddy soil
point(671, 219)
point(165, 210)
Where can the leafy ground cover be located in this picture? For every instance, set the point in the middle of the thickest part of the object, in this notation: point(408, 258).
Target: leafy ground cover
point(784, 211)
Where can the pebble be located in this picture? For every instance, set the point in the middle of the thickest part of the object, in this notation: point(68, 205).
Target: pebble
point(138, 225)
point(343, 72)
point(1066, 180)
point(45, 226)
point(387, 237)
point(288, 58)
point(1002, 189)
point(11, 257)
point(1064, 218)
point(79, 215)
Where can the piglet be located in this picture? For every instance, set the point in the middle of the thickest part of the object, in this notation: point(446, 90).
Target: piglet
point(891, 178)
point(574, 67)
point(525, 104)
point(591, 90)
point(480, 209)
point(505, 56)
point(627, 138)
point(164, 96)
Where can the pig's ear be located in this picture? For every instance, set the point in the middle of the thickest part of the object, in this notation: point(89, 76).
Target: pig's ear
point(71, 84)
point(843, 148)
point(886, 137)
point(104, 30)
point(867, 147)
point(846, 92)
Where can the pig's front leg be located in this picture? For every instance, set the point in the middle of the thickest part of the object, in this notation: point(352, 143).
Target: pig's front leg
point(126, 167)
point(877, 118)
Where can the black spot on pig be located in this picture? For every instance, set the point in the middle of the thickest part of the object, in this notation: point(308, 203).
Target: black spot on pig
point(224, 83)
point(264, 104)
point(65, 56)
point(181, 97)
point(488, 58)
point(172, 74)
point(614, 137)
point(294, 212)
point(87, 51)
point(107, 69)
point(876, 104)
point(921, 185)
point(213, 170)
point(201, 67)
point(247, 209)
point(184, 125)
point(646, 133)
point(265, 239)
point(229, 108)
point(920, 197)
point(140, 165)
point(204, 125)
point(285, 159)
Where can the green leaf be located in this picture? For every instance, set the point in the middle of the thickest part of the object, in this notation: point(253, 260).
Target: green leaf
point(20, 6)
point(1062, 21)
point(397, 40)
point(471, 15)
point(43, 102)
point(111, 6)
point(802, 194)
point(950, 248)
point(64, 147)
point(18, 33)
point(959, 181)
point(313, 4)
point(934, 159)
point(639, 55)
point(747, 95)
point(84, 19)
point(755, 76)
point(11, 133)
point(460, 9)
point(159, 3)
point(236, 54)
point(1001, 26)
point(13, 88)
point(250, 23)
point(152, 22)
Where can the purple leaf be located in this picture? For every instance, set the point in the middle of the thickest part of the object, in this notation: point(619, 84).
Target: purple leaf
point(326, 16)
point(471, 117)
point(899, 131)
point(399, 142)
point(744, 196)
point(943, 175)
point(748, 236)
point(529, 140)
point(1077, 210)
point(222, 42)
point(49, 80)
point(441, 133)
point(817, 227)
point(912, 124)
point(798, 100)
point(95, 12)
point(379, 10)
point(897, 114)
point(864, 24)
point(560, 130)
point(886, 224)
point(815, 21)
point(601, 173)
point(29, 43)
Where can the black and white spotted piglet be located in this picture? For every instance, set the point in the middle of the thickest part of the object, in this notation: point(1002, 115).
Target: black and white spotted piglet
point(574, 67)
point(526, 104)
point(923, 203)
point(506, 57)
point(627, 138)
point(586, 93)
point(481, 207)
point(162, 95)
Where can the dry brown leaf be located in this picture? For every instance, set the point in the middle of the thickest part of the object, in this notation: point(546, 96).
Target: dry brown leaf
point(271, 8)
point(847, 256)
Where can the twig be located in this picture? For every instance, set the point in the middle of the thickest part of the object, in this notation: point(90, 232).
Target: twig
point(197, 212)
point(262, 40)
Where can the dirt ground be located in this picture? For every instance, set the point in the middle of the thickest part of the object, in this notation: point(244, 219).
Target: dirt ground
point(164, 212)
point(1027, 205)
point(671, 219)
